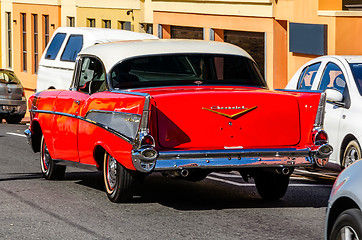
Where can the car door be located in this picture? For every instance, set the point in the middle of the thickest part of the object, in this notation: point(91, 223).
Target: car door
point(67, 111)
point(334, 77)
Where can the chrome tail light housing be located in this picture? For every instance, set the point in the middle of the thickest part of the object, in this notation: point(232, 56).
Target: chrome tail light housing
point(322, 148)
point(319, 119)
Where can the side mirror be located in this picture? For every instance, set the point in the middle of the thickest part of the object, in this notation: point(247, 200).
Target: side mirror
point(334, 96)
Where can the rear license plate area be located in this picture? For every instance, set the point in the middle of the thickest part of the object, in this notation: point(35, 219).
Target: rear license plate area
point(10, 108)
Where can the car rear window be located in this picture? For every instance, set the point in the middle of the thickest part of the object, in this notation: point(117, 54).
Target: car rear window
point(8, 77)
point(73, 47)
point(54, 46)
point(193, 69)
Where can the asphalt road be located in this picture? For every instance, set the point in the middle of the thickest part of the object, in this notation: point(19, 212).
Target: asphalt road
point(219, 207)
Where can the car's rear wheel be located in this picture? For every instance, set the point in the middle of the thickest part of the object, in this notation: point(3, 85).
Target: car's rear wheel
point(271, 186)
point(348, 225)
point(119, 181)
point(13, 119)
point(351, 154)
point(49, 169)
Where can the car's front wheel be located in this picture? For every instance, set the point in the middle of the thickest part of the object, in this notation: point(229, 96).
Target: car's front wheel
point(351, 154)
point(348, 225)
point(49, 169)
point(119, 181)
point(271, 186)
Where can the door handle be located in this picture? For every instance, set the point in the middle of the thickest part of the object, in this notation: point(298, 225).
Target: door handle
point(77, 101)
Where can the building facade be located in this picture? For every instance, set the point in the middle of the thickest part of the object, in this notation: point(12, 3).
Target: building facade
point(281, 35)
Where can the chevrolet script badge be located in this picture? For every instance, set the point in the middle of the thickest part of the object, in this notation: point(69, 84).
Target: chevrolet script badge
point(223, 111)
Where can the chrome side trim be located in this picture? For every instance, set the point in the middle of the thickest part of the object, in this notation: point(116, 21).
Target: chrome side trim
point(109, 112)
point(118, 134)
point(131, 93)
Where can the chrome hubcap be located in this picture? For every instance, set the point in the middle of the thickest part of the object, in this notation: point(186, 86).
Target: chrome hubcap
point(351, 157)
point(347, 233)
point(111, 172)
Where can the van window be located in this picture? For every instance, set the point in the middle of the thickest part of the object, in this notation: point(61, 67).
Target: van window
point(54, 46)
point(73, 47)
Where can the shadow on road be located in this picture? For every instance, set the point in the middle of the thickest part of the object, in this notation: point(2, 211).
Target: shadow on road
point(207, 194)
point(21, 176)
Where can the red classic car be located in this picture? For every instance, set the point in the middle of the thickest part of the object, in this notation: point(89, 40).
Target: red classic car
point(180, 107)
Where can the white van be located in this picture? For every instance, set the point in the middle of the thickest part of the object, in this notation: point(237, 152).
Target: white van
point(58, 60)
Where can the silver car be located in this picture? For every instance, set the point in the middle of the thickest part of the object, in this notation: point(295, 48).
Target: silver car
point(12, 97)
point(344, 215)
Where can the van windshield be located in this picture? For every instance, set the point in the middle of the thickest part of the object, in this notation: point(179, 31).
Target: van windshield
point(191, 69)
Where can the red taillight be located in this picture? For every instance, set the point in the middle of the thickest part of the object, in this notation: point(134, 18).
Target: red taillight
point(147, 141)
point(320, 137)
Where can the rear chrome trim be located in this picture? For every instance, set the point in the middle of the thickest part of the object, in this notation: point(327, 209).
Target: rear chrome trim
point(228, 159)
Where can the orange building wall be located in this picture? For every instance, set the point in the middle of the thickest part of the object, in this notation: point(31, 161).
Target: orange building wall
point(275, 50)
point(28, 78)
point(330, 4)
point(306, 11)
point(348, 36)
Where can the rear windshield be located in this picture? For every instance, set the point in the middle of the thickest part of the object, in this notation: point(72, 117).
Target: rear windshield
point(357, 74)
point(8, 77)
point(195, 69)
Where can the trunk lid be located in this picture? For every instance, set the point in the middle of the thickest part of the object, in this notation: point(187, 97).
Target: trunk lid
point(225, 118)
point(11, 91)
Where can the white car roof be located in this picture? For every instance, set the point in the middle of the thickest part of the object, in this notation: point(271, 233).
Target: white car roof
point(112, 53)
point(348, 58)
point(104, 34)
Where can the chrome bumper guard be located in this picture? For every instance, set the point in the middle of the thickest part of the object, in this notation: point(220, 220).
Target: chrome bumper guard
point(229, 159)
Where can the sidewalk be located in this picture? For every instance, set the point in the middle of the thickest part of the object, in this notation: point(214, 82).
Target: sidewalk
point(26, 119)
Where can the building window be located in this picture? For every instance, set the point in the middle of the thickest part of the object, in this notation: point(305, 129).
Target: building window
point(124, 25)
point(91, 22)
point(46, 30)
point(70, 22)
point(148, 28)
point(23, 42)
point(8, 40)
point(35, 42)
point(106, 23)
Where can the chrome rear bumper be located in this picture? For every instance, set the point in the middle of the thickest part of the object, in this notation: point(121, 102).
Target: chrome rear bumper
point(229, 159)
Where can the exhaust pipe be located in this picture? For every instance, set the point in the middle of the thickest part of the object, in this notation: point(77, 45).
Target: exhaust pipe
point(184, 172)
point(285, 171)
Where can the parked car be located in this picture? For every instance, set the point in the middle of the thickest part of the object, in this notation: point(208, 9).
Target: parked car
point(344, 216)
point(179, 107)
point(341, 78)
point(58, 60)
point(12, 97)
